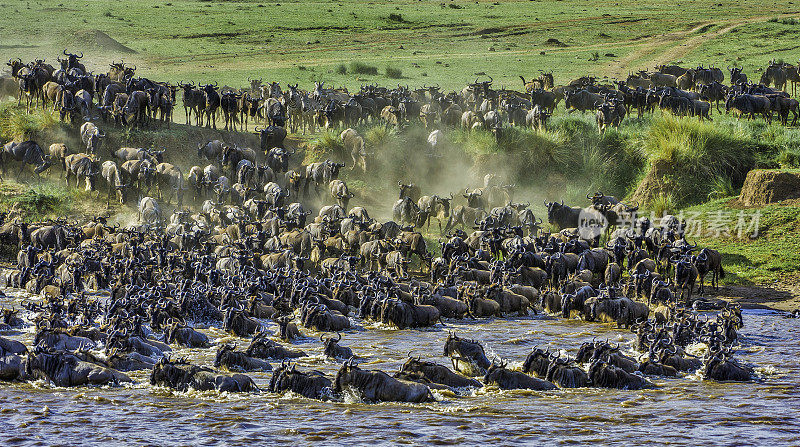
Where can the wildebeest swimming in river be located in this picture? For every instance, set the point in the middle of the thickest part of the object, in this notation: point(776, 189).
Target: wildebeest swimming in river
point(182, 376)
point(377, 386)
point(468, 356)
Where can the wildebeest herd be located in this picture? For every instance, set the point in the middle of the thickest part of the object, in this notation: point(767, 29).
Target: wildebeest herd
point(106, 300)
point(119, 95)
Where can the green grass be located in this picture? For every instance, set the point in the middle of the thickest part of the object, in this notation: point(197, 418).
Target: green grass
point(16, 124)
point(704, 158)
point(37, 203)
point(304, 40)
point(771, 257)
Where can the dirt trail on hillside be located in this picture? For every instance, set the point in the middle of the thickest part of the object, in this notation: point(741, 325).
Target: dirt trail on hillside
point(684, 42)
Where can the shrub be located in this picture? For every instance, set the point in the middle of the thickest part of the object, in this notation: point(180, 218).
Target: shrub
point(341, 69)
point(358, 67)
point(394, 73)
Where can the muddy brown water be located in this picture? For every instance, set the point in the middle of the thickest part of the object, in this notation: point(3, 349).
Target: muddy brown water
point(682, 411)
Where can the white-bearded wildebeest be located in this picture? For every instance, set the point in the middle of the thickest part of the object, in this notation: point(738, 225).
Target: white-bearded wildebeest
point(149, 211)
point(271, 136)
point(65, 369)
point(82, 166)
point(183, 376)
point(312, 385)
point(170, 176)
point(507, 379)
point(377, 386)
point(340, 193)
point(113, 176)
point(92, 137)
point(27, 152)
point(355, 146)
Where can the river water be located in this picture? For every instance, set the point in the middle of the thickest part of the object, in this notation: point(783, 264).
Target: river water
point(682, 411)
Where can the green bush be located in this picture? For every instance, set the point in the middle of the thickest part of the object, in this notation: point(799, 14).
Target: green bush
point(394, 73)
point(362, 68)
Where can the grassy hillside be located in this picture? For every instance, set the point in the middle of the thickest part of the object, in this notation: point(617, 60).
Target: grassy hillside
point(668, 164)
point(427, 41)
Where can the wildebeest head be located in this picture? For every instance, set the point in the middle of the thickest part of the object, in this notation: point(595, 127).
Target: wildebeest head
point(175, 374)
point(313, 385)
point(538, 362)
point(463, 351)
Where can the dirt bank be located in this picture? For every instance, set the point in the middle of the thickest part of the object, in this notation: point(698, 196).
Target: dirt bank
point(765, 186)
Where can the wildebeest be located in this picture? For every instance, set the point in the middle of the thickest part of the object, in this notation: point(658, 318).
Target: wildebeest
point(508, 379)
point(355, 146)
point(709, 261)
point(468, 356)
point(606, 375)
point(82, 166)
point(112, 174)
point(59, 151)
point(178, 332)
point(340, 192)
point(377, 386)
point(65, 369)
point(182, 376)
point(750, 105)
point(271, 136)
point(718, 367)
point(264, 348)
point(149, 211)
point(170, 180)
point(562, 216)
point(228, 357)
point(332, 349)
point(27, 152)
point(136, 110)
point(438, 374)
point(240, 323)
point(313, 385)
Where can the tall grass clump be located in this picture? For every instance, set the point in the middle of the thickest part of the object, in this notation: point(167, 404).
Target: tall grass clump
point(359, 67)
point(662, 204)
point(692, 155)
point(34, 204)
point(16, 124)
point(722, 186)
point(789, 158)
point(326, 144)
point(394, 73)
point(569, 148)
point(379, 135)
